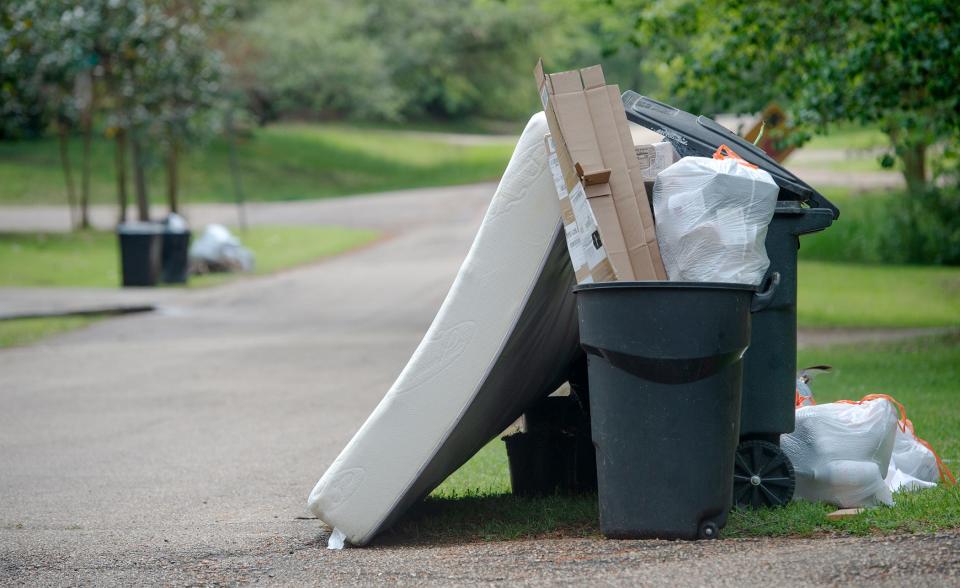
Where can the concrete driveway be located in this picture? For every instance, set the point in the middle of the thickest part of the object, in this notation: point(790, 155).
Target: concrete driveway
point(178, 447)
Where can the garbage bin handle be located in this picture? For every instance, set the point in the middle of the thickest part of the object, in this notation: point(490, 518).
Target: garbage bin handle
point(762, 300)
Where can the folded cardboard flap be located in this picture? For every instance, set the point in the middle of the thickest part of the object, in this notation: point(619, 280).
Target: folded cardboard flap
point(591, 178)
point(595, 149)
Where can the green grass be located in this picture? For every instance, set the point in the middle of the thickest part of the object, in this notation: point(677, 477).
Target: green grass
point(486, 474)
point(14, 333)
point(860, 295)
point(849, 137)
point(842, 283)
point(474, 504)
point(859, 162)
point(59, 259)
point(278, 162)
point(90, 259)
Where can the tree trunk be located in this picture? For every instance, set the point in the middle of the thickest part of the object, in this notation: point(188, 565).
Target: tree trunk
point(67, 172)
point(139, 177)
point(235, 170)
point(915, 167)
point(172, 175)
point(120, 166)
point(85, 175)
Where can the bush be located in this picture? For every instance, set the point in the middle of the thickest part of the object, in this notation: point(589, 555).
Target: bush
point(891, 227)
point(924, 228)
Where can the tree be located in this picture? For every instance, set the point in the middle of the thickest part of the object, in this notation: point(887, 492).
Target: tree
point(161, 79)
point(396, 59)
point(893, 63)
point(313, 56)
point(187, 83)
point(43, 57)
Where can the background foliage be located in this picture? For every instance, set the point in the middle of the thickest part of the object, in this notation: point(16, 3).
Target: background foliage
point(158, 77)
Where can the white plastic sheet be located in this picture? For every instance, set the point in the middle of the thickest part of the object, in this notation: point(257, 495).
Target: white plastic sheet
point(712, 217)
point(913, 465)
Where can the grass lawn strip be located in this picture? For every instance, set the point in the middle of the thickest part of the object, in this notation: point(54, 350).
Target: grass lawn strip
point(863, 295)
point(14, 333)
point(278, 162)
point(924, 374)
point(91, 259)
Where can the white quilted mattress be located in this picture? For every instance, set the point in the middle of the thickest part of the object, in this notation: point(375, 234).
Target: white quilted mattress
point(503, 338)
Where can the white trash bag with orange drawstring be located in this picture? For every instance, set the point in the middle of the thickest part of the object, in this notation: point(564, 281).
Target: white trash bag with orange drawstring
point(854, 454)
point(712, 217)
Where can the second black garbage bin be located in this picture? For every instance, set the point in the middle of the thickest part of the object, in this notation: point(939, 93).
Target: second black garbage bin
point(175, 251)
point(665, 371)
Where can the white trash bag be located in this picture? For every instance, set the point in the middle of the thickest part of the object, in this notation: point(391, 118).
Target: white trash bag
point(841, 452)
point(217, 250)
point(712, 217)
point(914, 465)
point(854, 454)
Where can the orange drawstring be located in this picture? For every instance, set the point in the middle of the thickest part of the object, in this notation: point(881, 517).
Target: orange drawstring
point(945, 473)
point(724, 152)
point(869, 397)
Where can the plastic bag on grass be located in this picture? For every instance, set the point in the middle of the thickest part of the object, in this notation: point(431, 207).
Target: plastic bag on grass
point(841, 452)
point(712, 217)
point(858, 453)
point(218, 250)
point(914, 464)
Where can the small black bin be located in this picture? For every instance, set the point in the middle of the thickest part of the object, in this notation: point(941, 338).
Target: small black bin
point(665, 371)
point(174, 256)
point(140, 251)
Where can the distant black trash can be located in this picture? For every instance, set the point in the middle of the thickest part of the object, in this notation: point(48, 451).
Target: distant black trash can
point(174, 256)
point(140, 252)
point(665, 370)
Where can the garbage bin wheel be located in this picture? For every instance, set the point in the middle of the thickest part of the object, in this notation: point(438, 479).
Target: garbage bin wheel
point(762, 475)
point(708, 530)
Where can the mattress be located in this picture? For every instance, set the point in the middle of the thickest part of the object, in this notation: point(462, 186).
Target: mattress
point(503, 338)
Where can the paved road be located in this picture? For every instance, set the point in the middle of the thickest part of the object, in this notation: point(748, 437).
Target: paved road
point(178, 447)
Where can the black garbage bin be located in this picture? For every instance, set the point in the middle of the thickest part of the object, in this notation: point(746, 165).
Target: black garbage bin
point(174, 256)
point(554, 453)
point(764, 475)
point(665, 372)
point(140, 251)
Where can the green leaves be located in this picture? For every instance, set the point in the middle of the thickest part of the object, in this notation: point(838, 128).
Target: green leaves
point(892, 62)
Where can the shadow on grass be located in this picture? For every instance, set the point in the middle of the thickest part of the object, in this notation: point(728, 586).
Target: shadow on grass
point(474, 517)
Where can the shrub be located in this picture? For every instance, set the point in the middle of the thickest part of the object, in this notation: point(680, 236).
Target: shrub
point(923, 228)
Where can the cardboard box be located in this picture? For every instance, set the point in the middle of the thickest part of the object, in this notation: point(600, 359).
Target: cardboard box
point(587, 253)
point(594, 150)
point(655, 158)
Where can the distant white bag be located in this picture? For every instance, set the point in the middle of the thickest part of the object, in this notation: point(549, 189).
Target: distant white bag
point(218, 250)
point(841, 452)
point(712, 217)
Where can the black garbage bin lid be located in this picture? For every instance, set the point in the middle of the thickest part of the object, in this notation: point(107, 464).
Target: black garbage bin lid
point(701, 136)
point(140, 228)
